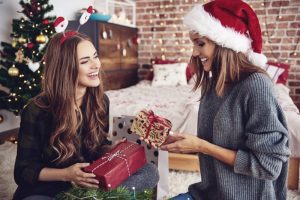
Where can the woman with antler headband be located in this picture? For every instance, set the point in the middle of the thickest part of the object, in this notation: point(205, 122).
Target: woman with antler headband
point(65, 127)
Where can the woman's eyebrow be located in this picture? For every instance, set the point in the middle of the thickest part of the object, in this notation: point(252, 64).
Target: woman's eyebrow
point(88, 56)
point(84, 57)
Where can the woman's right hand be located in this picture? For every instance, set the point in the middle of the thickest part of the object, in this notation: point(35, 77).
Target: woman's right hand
point(77, 176)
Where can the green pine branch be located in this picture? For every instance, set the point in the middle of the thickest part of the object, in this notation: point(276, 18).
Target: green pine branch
point(120, 193)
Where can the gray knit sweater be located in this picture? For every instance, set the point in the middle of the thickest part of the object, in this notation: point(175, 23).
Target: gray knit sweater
point(247, 119)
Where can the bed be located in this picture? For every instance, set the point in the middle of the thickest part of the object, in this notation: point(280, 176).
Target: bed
point(180, 105)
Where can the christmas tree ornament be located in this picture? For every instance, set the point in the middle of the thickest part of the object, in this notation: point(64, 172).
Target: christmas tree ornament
point(41, 38)
point(45, 21)
point(22, 40)
point(13, 71)
point(41, 47)
point(124, 52)
point(104, 35)
point(110, 34)
point(19, 56)
point(30, 45)
point(33, 66)
point(14, 43)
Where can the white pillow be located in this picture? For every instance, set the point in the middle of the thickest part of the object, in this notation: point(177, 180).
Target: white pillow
point(274, 72)
point(169, 74)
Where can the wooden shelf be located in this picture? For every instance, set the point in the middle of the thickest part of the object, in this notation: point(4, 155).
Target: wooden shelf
point(185, 162)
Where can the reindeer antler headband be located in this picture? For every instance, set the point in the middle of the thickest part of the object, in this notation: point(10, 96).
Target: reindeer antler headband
point(61, 24)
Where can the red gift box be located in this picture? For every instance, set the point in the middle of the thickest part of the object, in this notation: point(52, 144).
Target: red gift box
point(117, 165)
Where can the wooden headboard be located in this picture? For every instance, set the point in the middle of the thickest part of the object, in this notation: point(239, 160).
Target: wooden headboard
point(118, 50)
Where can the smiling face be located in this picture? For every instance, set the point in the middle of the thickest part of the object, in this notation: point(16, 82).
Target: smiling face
point(89, 65)
point(204, 49)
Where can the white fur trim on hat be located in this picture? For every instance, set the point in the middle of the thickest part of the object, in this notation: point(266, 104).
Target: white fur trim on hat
point(257, 59)
point(206, 25)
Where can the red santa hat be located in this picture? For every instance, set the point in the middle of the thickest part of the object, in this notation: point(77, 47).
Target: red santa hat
point(232, 24)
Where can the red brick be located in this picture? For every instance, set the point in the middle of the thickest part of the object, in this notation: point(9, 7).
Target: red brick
point(271, 26)
point(291, 33)
point(297, 91)
point(274, 40)
point(291, 10)
point(282, 25)
point(287, 40)
point(295, 25)
point(286, 18)
point(287, 47)
point(280, 3)
point(274, 11)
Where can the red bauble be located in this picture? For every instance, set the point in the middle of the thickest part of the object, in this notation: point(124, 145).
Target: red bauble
point(30, 45)
point(45, 21)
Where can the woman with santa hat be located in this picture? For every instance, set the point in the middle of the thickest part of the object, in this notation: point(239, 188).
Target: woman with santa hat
point(242, 136)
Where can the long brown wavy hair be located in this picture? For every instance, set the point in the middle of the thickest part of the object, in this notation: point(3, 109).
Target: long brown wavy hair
point(227, 67)
point(59, 97)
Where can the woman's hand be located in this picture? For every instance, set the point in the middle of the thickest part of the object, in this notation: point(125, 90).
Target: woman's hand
point(172, 137)
point(187, 144)
point(77, 176)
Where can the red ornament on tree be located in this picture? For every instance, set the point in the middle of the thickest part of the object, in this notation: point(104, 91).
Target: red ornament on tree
point(45, 22)
point(30, 45)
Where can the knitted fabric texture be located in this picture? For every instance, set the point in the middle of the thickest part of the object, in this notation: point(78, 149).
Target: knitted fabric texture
point(249, 120)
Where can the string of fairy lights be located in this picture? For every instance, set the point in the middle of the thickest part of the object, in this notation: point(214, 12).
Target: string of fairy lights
point(160, 14)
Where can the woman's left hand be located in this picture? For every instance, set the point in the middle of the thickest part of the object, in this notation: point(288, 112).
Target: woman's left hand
point(189, 144)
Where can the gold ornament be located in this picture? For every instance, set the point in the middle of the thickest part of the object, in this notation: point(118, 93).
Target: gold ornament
point(1, 119)
point(40, 39)
point(21, 40)
point(14, 43)
point(13, 71)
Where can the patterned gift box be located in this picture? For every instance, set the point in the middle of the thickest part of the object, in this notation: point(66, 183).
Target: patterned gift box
point(122, 129)
point(117, 165)
point(152, 127)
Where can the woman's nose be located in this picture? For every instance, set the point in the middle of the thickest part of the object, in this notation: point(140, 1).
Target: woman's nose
point(195, 52)
point(96, 63)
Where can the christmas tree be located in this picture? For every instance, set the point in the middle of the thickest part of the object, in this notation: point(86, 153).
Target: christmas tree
point(21, 65)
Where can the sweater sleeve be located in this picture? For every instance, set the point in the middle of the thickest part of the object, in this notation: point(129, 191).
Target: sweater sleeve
point(28, 162)
point(265, 132)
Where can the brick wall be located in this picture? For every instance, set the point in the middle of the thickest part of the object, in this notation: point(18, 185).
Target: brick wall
point(162, 33)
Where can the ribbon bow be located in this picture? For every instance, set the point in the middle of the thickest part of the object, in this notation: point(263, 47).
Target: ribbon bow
point(153, 118)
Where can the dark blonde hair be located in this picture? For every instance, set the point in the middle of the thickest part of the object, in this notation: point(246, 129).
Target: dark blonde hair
point(228, 67)
point(59, 97)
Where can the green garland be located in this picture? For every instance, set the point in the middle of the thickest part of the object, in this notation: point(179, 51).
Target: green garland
point(120, 193)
